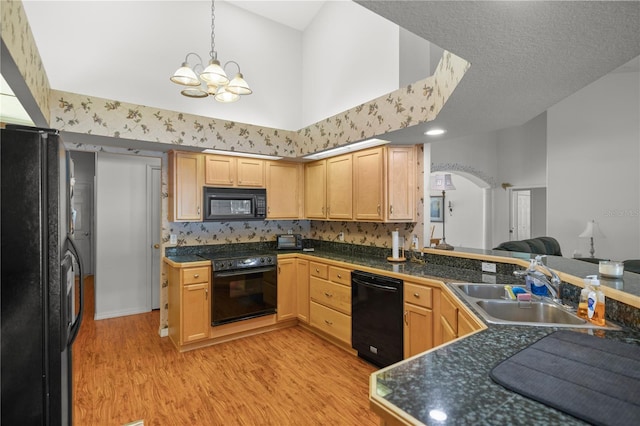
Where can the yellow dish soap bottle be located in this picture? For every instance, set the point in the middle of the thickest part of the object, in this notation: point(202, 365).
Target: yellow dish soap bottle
point(595, 303)
point(584, 297)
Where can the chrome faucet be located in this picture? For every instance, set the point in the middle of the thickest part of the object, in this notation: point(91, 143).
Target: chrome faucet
point(552, 285)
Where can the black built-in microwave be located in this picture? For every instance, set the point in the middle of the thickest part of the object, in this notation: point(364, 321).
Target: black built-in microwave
point(226, 204)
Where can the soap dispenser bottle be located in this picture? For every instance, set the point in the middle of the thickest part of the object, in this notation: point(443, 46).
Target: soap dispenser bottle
point(584, 297)
point(595, 303)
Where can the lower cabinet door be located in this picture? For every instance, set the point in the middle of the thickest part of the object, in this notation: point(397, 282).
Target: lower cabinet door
point(196, 310)
point(448, 333)
point(418, 329)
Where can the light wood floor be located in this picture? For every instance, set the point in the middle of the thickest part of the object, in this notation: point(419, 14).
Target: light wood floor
point(123, 371)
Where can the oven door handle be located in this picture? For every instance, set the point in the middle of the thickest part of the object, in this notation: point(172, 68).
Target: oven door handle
point(243, 272)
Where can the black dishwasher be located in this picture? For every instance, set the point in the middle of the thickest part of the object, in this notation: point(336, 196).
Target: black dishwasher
point(376, 318)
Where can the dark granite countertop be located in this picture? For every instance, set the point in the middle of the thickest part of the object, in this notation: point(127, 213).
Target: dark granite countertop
point(454, 378)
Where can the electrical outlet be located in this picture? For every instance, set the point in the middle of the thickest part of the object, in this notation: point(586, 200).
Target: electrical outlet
point(416, 242)
point(341, 236)
point(488, 267)
point(173, 239)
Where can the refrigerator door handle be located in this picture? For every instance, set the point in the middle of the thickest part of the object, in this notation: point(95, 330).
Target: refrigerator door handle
point(75, 327)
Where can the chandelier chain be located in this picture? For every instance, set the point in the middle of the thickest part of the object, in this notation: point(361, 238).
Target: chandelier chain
point(213, 53)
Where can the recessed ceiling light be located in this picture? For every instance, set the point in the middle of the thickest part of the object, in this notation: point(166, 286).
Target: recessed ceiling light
point(435, 132)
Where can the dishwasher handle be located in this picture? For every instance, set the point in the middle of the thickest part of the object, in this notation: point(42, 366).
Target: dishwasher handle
point(375, 286)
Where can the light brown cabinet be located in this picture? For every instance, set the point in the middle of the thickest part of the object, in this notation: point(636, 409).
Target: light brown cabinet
point(401, 184)
point(340, 187)
point(189, 304)
point(185, 186)
point(329, 189)
point(302, 289)
point(454, 321)
point(418, 318)
point(330, 305)
point(286, 289)
point(315, 189)
point(368, 184)
point(284, 190)
point(377, 185)
point(229, 171)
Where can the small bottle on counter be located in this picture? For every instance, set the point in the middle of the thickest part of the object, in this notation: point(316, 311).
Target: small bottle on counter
point(595, 303)
point(584, 297)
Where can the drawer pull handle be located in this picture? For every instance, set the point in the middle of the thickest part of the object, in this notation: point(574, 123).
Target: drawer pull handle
point(416, 295)
point(317, 271)
point(328, 322)
point(339, 276)
point(328, 294)
point(196, 275)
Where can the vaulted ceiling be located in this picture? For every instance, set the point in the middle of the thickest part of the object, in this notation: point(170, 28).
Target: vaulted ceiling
point(525, 55)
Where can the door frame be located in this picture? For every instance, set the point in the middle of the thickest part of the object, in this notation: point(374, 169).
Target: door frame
point(153, 227)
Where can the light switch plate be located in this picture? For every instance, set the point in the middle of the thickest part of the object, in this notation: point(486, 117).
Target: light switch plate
point(488, 267)
point(173, 239)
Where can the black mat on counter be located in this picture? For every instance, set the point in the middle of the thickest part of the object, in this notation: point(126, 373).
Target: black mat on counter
point(593, 379)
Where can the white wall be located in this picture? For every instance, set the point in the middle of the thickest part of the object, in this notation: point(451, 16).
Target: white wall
point(593, 145)
point(121, 279)
point(463, 226)
point(521, 154)
point(356, 62)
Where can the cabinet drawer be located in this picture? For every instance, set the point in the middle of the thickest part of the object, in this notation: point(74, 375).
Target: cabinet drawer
point(330, 294)
point(195, 275)
point(449, 311)
point(340, 275)
point(418, 295)
point(331, 322)
point(319, 270)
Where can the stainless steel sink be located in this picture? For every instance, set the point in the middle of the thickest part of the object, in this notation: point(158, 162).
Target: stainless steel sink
point(489, 301)
point(483, 291)
point(536, 312)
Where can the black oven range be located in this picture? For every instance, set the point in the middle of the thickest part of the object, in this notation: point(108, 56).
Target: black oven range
point(243, 287)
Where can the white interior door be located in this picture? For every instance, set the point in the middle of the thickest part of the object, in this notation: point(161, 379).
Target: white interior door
point(153, 232)
point(122, 279)
point(83, 204)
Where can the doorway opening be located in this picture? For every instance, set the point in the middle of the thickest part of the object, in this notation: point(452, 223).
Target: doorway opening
point(527, 213)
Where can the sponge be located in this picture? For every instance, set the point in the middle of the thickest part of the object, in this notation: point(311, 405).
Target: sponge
point(518, 290)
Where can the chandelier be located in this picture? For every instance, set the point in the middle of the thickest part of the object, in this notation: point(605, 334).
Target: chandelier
point(213, 79)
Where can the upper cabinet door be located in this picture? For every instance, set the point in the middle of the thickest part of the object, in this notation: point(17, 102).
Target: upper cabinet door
point(401, 184)
point(185, 187)
point(220, 170)
point(284, 190)
point(315, 178)
point(368, 184)
point(250, 172)
point(340, 187)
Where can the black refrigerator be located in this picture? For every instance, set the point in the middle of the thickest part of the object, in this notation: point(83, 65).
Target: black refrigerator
point(39, 312)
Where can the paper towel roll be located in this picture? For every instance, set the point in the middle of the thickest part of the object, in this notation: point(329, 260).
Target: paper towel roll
point(394, 244)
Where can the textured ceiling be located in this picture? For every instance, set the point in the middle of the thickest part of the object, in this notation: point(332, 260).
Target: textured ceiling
point(525, 56)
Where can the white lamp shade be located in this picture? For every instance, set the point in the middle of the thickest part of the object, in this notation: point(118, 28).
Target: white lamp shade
point(239, 86)
point(223, 95)
point(194, 92)
point(591, 231)
point(442, 182)
point(214, 74)
point(185, 76)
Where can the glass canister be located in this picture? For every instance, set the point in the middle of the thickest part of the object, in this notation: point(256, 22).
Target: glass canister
point(611, 268)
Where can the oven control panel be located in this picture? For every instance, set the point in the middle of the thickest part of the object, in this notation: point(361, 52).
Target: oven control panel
point(244, 263)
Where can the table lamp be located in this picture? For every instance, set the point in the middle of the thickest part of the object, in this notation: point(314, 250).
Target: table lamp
point(592, 231)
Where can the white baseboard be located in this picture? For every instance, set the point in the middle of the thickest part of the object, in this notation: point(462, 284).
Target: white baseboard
point(164, 332)
point(123, 313)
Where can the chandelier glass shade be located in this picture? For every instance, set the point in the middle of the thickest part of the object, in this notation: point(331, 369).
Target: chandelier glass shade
point(212, 80)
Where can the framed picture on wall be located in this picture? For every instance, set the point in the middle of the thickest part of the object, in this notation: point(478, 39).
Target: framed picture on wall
point(436, 208)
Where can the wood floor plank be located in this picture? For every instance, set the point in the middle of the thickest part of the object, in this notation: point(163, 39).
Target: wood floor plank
point(123, 371)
